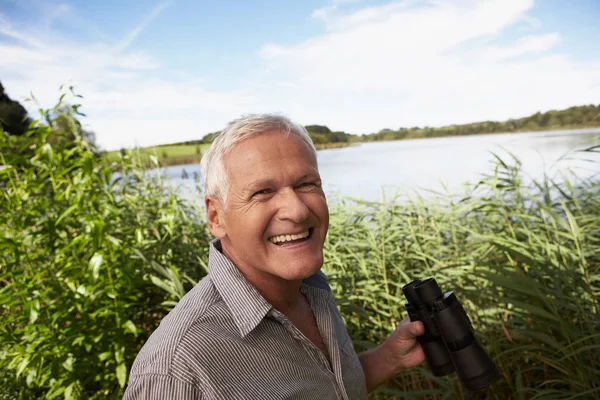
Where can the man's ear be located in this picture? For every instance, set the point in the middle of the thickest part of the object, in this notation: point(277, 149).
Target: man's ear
point(216, 217)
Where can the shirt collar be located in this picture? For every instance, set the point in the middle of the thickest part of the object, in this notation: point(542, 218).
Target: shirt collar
point(248, 307)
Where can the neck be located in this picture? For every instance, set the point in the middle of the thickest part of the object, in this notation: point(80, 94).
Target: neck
point(284, 295)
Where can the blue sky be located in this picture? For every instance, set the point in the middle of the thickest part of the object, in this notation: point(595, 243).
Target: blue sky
point(155, 72)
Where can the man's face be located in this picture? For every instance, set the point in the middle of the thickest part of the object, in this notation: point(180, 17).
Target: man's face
point(276, 217)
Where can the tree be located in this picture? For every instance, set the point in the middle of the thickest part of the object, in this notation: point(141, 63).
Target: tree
point(13, 116)
point(208, 138)
point(318, 129)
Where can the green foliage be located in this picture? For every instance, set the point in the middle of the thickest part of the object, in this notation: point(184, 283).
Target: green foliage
point(208, 139)
point(190, 152)
point(573, 117)
point(62, 119)
point(320, 129)
point(179, 154)
point(317, 138)
point(91, 260)
point(323, 134)
point(13, 117)
point(525, 263)
point(89, 264)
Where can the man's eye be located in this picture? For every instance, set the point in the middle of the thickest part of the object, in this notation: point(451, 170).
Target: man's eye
point(262, 192)
point(307, 185)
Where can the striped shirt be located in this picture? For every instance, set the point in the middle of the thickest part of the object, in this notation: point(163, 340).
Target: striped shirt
point(223, 340)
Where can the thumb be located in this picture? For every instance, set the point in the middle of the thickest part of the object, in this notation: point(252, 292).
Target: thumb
point(409, 331)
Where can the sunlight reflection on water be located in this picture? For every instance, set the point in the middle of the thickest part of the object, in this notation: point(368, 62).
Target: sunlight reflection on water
point(372, 171)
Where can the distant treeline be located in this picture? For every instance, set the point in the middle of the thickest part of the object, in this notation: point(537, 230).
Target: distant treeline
point(206, 139)
point(319, 134)
point(322, 135)
point(573, 117)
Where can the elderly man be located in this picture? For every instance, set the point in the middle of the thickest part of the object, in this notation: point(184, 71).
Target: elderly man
point(263, 324)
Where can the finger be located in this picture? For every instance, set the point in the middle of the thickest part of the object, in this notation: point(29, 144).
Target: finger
point(410, 330)
point(419, 328)
point(418, 355)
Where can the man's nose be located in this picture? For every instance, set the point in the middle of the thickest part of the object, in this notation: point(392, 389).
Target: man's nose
point(292, 206)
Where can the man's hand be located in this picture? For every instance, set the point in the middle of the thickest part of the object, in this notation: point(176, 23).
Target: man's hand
point(402, 349)
point(398, 353)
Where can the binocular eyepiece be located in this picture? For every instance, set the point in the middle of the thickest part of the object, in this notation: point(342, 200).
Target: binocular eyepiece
point(448, 343)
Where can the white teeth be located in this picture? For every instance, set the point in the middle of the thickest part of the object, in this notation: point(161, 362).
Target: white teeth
point(288, 238)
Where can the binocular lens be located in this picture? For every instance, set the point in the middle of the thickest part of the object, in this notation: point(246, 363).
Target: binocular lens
point(449, 342)
point(474, 367)
point(428, 291)
point(436, 353)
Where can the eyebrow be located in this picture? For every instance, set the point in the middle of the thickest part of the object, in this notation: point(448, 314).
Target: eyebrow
point(255, 185)
point(262, 183)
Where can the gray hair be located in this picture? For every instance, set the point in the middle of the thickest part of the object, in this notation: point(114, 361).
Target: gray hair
point(212, 165)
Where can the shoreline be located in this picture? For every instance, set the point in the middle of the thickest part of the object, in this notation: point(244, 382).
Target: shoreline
point(191, 159)
point(579, 128)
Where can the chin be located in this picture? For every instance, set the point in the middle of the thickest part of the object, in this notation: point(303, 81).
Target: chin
point(301, 271)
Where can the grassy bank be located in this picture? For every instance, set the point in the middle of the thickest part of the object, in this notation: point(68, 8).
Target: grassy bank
point(338, 145)
point(167, 155)
point(187, 153)
point(89, 266)
point(181, 154)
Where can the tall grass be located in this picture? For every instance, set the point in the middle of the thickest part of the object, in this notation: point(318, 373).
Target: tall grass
point(89, 264)
point(525, 262)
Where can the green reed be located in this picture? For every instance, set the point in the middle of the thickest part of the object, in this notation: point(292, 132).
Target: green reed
point(524, 261)
point(91, 261)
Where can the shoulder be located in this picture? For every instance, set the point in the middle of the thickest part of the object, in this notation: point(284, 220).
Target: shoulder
point(159, 351)
point(197, 336)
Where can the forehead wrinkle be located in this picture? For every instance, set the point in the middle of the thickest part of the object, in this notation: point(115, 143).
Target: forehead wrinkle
point(250, 164)
point(255, 174)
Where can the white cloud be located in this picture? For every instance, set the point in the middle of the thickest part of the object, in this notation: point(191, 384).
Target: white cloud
point(428, 64)
point(128, 97)
point(374, 46)
point(530, 22)
point(524, 46)
point(404, 63)
point(336, 20)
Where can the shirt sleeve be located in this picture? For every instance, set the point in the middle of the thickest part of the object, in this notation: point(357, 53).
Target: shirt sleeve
point(160, 387)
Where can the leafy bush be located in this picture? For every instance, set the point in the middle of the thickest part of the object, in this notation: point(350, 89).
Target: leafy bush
point(91, 260)
point(89, 264)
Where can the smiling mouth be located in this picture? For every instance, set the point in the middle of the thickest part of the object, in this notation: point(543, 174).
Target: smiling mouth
point(281, 240)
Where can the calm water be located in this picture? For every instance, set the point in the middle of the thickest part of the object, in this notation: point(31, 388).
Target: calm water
point(371, 171)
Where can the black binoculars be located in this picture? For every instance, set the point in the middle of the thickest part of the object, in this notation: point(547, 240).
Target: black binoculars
point(448, 343)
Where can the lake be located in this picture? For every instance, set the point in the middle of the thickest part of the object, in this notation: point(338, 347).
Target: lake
point(380, 170)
